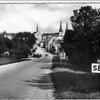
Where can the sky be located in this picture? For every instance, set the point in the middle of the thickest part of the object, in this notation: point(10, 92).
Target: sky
point(24, 17)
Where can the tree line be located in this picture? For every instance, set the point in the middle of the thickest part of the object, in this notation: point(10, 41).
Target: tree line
point(19, 46)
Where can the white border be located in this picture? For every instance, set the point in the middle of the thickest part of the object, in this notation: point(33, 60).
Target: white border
point(50, 1)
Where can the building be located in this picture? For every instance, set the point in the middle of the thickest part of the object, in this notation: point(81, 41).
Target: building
point(38, 35)
point(54, 39)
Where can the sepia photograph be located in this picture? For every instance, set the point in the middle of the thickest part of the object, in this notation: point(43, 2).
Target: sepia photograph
point(49, 50)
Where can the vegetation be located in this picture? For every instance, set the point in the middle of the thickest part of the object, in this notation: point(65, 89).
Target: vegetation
point(22, 52)
point(25, 38)
point(71, 83)
point(82, 19)
point(52, 50)
point(19, 46)
point(83, 43)
point(2, 46)
point(79, 82)
point(8, 60)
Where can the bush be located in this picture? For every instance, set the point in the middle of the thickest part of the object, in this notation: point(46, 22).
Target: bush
point(63, 65)
point(78, 49)
point(83, 42)
point(80, 58)
point(55, 59)
point(66, 81)
point(22, 52)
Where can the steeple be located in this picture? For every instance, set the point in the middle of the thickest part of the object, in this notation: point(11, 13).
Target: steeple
point(60, 29)
point(37, 28)
point(66, 29)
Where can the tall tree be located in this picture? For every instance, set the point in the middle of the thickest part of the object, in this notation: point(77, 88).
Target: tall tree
point(83, 43)
point(25, 38)
point(22, 43)
point(82, 19)
point(2, 46)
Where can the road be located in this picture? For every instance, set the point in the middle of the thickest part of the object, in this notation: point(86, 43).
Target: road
point(27, 80)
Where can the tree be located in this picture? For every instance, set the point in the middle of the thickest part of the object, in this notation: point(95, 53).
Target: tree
point(82, 19)
point(25, 38)
point(22, 44)
point(22, 52)
point(2, 46)
point(8, 44)
point(83, 43)
point(85, 24)
point(31, 40)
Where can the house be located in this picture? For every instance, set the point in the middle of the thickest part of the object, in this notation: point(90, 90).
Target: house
point(54, 39)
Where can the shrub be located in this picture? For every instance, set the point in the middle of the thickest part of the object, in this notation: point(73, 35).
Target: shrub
point(66, 81)
point(83, 42)
point(22, 52)
point(55, 59)
point(63, 65)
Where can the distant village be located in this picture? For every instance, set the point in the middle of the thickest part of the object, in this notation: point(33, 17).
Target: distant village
point(50, 41)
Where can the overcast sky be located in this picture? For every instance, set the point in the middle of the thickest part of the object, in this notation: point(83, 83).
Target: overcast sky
point(25, 17)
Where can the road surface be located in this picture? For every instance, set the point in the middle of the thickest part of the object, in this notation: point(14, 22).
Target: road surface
point(26, 80)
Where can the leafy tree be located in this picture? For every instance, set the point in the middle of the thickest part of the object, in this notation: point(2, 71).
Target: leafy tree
point(2, 46)
point(31, 40)
point(25, 38)
point(22, 51)
point(83, 43)
point(22, 44)
point(19, 46)
point(82, 19)
point(8, 43)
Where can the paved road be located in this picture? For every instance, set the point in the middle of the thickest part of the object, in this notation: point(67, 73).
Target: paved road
point(26, 80)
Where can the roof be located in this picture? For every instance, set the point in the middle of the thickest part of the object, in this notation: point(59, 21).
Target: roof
point(52, 34)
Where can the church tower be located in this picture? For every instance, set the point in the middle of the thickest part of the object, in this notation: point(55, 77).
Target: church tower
point(60, 29)
point(37, 28)
point(66, 29)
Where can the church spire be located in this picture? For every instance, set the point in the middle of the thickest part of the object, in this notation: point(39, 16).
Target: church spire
point(60, 29)
point(37, 28)
point(66, 29)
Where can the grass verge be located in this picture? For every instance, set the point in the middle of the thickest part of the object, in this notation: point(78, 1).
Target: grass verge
point(9, 60)
point(70, 85)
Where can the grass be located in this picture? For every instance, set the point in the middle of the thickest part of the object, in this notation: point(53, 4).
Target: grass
point(77, 95)
point(70, 85)
point(76, 85)
point(8, 60)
